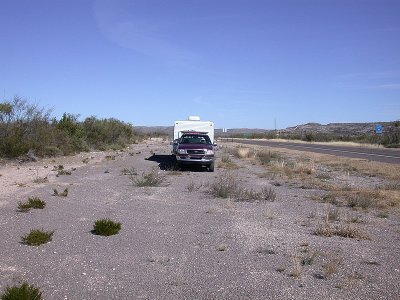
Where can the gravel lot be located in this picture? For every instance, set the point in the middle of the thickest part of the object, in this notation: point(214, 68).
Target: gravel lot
point(180, 242)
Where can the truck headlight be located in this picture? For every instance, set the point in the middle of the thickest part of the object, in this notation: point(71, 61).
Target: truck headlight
point(181, 151)
point(210, 152)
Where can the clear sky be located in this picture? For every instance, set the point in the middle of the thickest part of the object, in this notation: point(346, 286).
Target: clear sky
point(239, 63)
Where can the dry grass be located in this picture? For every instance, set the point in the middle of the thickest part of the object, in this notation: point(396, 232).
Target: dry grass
point(362, 198)
point(297, 267)
point(228, 186)
point(342, 230)
point(243, 152)
point(193, 186)
point(369, 168)
point(332, 214)
point(331, 268)
point(152, 179)
point(227, 163)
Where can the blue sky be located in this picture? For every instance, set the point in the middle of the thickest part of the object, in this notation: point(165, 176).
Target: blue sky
point(239, 63)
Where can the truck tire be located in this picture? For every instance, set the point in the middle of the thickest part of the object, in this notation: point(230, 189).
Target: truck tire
point(211, 167)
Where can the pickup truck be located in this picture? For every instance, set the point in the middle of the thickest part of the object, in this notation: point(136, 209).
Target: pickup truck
point(194, 148)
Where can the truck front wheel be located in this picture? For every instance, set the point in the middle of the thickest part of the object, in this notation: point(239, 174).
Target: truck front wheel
point(211, 167)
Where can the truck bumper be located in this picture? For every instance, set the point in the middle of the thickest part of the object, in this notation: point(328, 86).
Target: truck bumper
point(194, 160)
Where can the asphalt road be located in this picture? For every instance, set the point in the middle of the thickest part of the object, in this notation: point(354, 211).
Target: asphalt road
point(391, 156)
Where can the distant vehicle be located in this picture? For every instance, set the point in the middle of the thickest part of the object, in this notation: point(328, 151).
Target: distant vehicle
point(194, 143)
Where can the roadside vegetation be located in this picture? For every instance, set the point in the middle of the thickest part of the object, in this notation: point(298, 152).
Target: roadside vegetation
point(21, 292)
point(150, 179)
point(106, 227)
point(321, 172)
point(27, 128)
point(227, 186)
point(33, 202)
point(37, 237)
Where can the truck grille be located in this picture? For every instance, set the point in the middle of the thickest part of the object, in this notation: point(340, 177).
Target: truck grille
point(196, 151)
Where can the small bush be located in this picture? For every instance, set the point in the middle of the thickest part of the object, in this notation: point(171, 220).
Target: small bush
point(63, 194)
point(37, 237)
point(227, 163)
point(36, 203)
point(106, 227)
point(226, 186)
point(383, 214)
point(63, 172)
point(265, 157)
point(248, 195)
point(359, 201)
point(129, 171)
point(149, 179)
point(33, 202)
point(268, 194)
point(332, 214)
point(346, 231)
point(297, 267)
point(192, 186)
point(331, 268)
point(40, 179)
point(243, 153)
point(24, 206)
point(22, 292)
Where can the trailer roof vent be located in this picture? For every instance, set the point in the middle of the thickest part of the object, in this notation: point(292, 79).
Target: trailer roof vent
point(194, 118)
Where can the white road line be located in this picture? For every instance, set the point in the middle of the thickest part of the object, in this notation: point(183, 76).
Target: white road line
point(346, 151)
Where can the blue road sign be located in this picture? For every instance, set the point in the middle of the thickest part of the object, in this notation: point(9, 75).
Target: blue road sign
point(378, 128)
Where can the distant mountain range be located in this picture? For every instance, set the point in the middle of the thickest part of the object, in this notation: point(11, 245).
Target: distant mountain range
point(340, 129)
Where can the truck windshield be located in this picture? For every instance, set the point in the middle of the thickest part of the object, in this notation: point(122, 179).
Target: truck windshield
point(195, 139)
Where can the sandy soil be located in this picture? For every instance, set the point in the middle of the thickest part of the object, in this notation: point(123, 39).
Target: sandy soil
point(180, 242)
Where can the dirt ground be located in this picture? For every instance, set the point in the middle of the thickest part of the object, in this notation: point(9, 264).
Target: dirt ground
point(179, 241)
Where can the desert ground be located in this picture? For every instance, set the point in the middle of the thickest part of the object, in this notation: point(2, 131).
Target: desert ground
point(267, 224)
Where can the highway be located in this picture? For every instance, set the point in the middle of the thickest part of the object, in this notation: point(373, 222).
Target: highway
point(391, 156)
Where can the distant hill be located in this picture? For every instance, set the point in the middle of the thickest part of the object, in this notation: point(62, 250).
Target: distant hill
point(337, 129)
point(356, 132)
point(346, 129)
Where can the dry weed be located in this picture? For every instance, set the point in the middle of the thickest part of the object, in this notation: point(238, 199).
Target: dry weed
point(227, 163)
point(342, 230)
point(297, 267)
point(331, 268)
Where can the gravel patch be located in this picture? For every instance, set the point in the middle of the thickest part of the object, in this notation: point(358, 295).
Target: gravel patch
point(179, 242)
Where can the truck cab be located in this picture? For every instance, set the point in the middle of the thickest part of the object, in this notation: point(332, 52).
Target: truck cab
point(194, 148)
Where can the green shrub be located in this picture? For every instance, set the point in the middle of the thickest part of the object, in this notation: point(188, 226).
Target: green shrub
point(33, 202)
point(25, 127)
point(37, 237)
point(106, 227)
point(22, 292)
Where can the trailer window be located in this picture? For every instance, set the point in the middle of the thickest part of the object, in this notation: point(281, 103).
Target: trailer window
point(195, 139)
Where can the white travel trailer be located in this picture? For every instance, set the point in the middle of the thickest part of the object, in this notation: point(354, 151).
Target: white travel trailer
point(193, 123)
